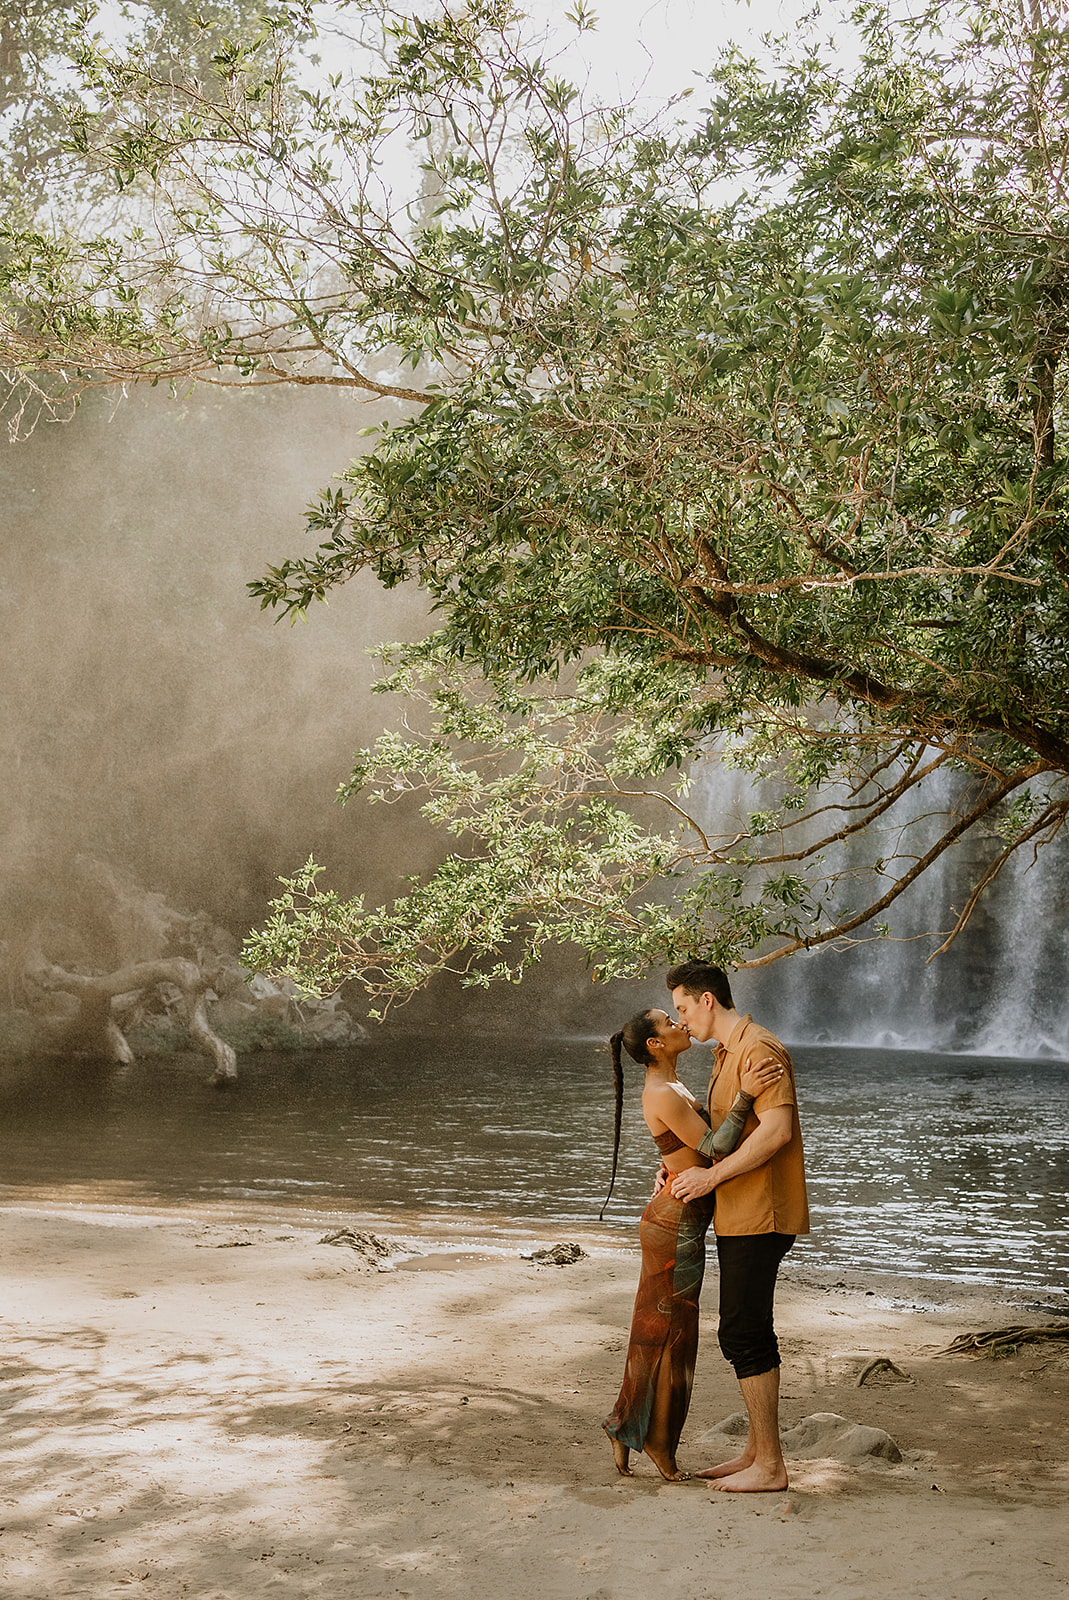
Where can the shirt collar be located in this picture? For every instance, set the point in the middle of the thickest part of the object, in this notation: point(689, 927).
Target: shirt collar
point(736, 1036)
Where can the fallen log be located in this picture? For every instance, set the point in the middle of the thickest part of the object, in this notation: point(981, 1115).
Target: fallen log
point(96, 1029)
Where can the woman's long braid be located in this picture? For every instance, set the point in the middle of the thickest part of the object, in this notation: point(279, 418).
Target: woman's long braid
point(618, 1079)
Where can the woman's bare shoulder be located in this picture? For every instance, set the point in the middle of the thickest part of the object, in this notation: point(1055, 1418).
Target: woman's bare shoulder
point(669, 1094)
point(656, 1094)
point(659, 1091)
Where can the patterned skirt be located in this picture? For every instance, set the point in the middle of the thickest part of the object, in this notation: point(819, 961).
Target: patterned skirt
point(665, 1322)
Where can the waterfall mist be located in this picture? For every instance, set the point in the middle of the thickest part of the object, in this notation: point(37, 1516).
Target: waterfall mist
point(160, 723)
point(157, 721)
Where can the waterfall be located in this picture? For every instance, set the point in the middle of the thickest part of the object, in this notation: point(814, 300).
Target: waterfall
point(1000, 990)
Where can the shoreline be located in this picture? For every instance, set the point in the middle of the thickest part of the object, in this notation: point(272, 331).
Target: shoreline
point(203, 1406)
point(417, 1233)
point(308, 1136)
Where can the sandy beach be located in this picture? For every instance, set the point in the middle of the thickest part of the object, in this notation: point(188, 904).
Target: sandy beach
point(197, 1406)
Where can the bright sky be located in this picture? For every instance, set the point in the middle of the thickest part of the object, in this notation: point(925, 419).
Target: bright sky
point(640, 51)
point(660, 47)
point(653, 48)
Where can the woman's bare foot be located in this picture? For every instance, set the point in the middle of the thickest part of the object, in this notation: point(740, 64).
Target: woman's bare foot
point(754, 1480)
point(727, 1469)
point(622, 1456)
point(666, 1466)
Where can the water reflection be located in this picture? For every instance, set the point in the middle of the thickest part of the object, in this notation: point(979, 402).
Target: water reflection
point(934, 1165)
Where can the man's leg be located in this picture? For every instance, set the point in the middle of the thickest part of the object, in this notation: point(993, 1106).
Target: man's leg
point(748, 1268)
point(763, 1468)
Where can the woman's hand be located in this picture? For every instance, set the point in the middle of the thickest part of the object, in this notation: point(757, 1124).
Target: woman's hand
point(755, 1080)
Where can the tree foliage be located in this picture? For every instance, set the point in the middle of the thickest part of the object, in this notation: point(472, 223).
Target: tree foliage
point(725, 440)
point(72, 232)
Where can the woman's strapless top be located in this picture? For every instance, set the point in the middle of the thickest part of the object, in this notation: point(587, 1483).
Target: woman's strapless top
point(668, 1142)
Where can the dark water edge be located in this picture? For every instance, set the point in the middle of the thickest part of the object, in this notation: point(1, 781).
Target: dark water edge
point(944, 1168)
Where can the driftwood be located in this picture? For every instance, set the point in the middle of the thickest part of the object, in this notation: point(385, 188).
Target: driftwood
point(882, 1370)
point(998, 1340)
point(96, 1029)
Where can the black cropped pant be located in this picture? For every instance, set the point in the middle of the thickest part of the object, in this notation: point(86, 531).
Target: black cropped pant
point(748, 1266)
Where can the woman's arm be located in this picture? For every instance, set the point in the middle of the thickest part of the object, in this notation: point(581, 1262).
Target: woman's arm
point(663, 1106)
point(720, 1142)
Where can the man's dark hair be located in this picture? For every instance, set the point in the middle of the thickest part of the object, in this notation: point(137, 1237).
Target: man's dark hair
point(700, 977)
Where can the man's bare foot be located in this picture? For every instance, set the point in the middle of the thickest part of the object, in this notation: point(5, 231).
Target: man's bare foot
point(622, 1456)
point(755, 1480)
point(727, 1469)
point(666, 1466)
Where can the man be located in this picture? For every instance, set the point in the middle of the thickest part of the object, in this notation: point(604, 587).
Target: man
point(761, 1207)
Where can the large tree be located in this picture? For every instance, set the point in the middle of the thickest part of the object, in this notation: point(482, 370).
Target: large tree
point(726, 439)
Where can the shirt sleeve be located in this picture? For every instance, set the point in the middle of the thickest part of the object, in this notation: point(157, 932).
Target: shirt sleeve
point(781, 1093)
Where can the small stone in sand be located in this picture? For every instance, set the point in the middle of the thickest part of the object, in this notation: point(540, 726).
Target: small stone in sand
point(737, 1426)
point(827, 1436)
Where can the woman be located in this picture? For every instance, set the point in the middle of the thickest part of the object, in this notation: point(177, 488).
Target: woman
point(659, 1371)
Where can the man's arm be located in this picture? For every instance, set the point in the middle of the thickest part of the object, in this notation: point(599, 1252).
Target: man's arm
point(773, 1131)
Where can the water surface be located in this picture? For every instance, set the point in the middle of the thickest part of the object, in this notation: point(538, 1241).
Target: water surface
point(949, 1167)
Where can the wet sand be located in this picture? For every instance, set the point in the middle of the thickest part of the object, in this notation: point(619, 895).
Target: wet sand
point(197, 1406)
